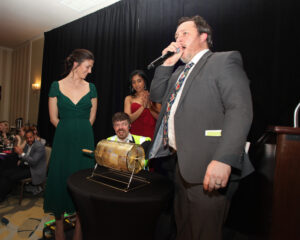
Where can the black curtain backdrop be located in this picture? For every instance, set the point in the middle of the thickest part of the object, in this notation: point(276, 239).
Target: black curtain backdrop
point(130, 34)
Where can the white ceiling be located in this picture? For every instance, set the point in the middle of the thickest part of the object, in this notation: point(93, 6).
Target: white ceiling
point(22, 20)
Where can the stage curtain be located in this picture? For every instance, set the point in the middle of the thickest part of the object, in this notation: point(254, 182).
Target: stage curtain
point(131, 33)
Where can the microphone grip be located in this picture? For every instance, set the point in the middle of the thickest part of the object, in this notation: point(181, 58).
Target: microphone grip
point(160, 60)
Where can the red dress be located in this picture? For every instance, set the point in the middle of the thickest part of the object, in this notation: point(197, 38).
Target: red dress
point(144, 125)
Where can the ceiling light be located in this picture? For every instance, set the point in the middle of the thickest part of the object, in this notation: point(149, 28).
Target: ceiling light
point(79, 5)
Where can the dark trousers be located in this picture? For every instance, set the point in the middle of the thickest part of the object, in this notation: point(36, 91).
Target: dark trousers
point(166, 226)
point(10, 176)
point(199, 214)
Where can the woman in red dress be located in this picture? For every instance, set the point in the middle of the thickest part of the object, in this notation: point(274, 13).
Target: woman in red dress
point(142, 112)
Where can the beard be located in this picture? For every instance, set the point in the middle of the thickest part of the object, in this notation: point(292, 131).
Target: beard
point(121, 134)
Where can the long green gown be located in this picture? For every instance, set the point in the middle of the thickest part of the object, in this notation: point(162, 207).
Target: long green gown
point(73, 133)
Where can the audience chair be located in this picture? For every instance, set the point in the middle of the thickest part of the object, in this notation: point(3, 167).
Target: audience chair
point(29, 180)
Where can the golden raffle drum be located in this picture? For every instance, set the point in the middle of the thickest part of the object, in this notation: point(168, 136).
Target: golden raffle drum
point(125, 157)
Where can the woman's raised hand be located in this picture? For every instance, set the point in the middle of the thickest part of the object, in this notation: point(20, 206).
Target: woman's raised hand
point(145, 99)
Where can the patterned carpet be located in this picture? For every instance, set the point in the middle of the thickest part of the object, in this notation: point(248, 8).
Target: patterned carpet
point(25, 221)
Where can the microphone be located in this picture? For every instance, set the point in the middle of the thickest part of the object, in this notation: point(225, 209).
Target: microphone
point(161, 59)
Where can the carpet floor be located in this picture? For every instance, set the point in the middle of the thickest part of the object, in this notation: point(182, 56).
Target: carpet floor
point(25, 221)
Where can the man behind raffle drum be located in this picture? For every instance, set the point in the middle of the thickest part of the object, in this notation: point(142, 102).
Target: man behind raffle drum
point(121, 125)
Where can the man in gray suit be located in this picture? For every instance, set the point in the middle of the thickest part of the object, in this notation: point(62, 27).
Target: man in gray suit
point(205, 118)
point(31, 163)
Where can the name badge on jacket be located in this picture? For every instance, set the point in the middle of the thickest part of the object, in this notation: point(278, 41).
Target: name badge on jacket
point(213, 133)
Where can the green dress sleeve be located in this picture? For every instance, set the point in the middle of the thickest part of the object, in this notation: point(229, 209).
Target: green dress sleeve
point(93, 91)
point(53, 89)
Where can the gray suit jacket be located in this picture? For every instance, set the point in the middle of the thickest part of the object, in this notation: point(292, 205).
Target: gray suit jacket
point(37, 162)
point(216, 96)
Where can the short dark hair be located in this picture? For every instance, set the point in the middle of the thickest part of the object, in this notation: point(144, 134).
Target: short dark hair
point(78, 55)
point(140, 73)
point(29, 131)
point(120, 116)
point(201, 25)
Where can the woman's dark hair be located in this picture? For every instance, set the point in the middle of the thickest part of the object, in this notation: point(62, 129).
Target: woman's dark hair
point(140, 73)
point(78, 55)
point(202, 27)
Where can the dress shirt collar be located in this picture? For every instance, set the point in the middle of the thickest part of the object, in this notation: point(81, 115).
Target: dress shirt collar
point(128, 139)
point(29, 147)
point(198, 56)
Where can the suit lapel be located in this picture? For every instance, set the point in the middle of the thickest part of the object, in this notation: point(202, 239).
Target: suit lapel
point(195, 72)
point(33, 146)
point(25, 148)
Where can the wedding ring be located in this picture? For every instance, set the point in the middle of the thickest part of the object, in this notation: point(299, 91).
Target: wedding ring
point(218, 184)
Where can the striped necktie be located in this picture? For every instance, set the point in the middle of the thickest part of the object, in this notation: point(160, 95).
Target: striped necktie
point(171, 101)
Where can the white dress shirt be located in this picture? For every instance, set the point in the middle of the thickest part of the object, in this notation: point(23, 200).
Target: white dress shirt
point(128, 139)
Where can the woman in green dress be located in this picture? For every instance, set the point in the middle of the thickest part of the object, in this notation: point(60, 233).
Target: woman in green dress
point(72, 110)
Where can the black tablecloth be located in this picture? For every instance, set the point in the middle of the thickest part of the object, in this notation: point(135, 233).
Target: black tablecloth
point(8, 161)
point(107, 213)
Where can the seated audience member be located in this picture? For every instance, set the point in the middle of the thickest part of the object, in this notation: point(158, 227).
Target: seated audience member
point(121, 125)
point(11, 159)
point(32, 163)
point(6, 136)
point(20, 140)
point(3, 129)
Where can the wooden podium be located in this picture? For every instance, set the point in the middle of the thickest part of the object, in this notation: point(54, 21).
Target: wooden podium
point(267, 203)
point(285, 215)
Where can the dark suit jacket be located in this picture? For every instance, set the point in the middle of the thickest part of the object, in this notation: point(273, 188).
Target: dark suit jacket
point(216, 96)
point(37, 162)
